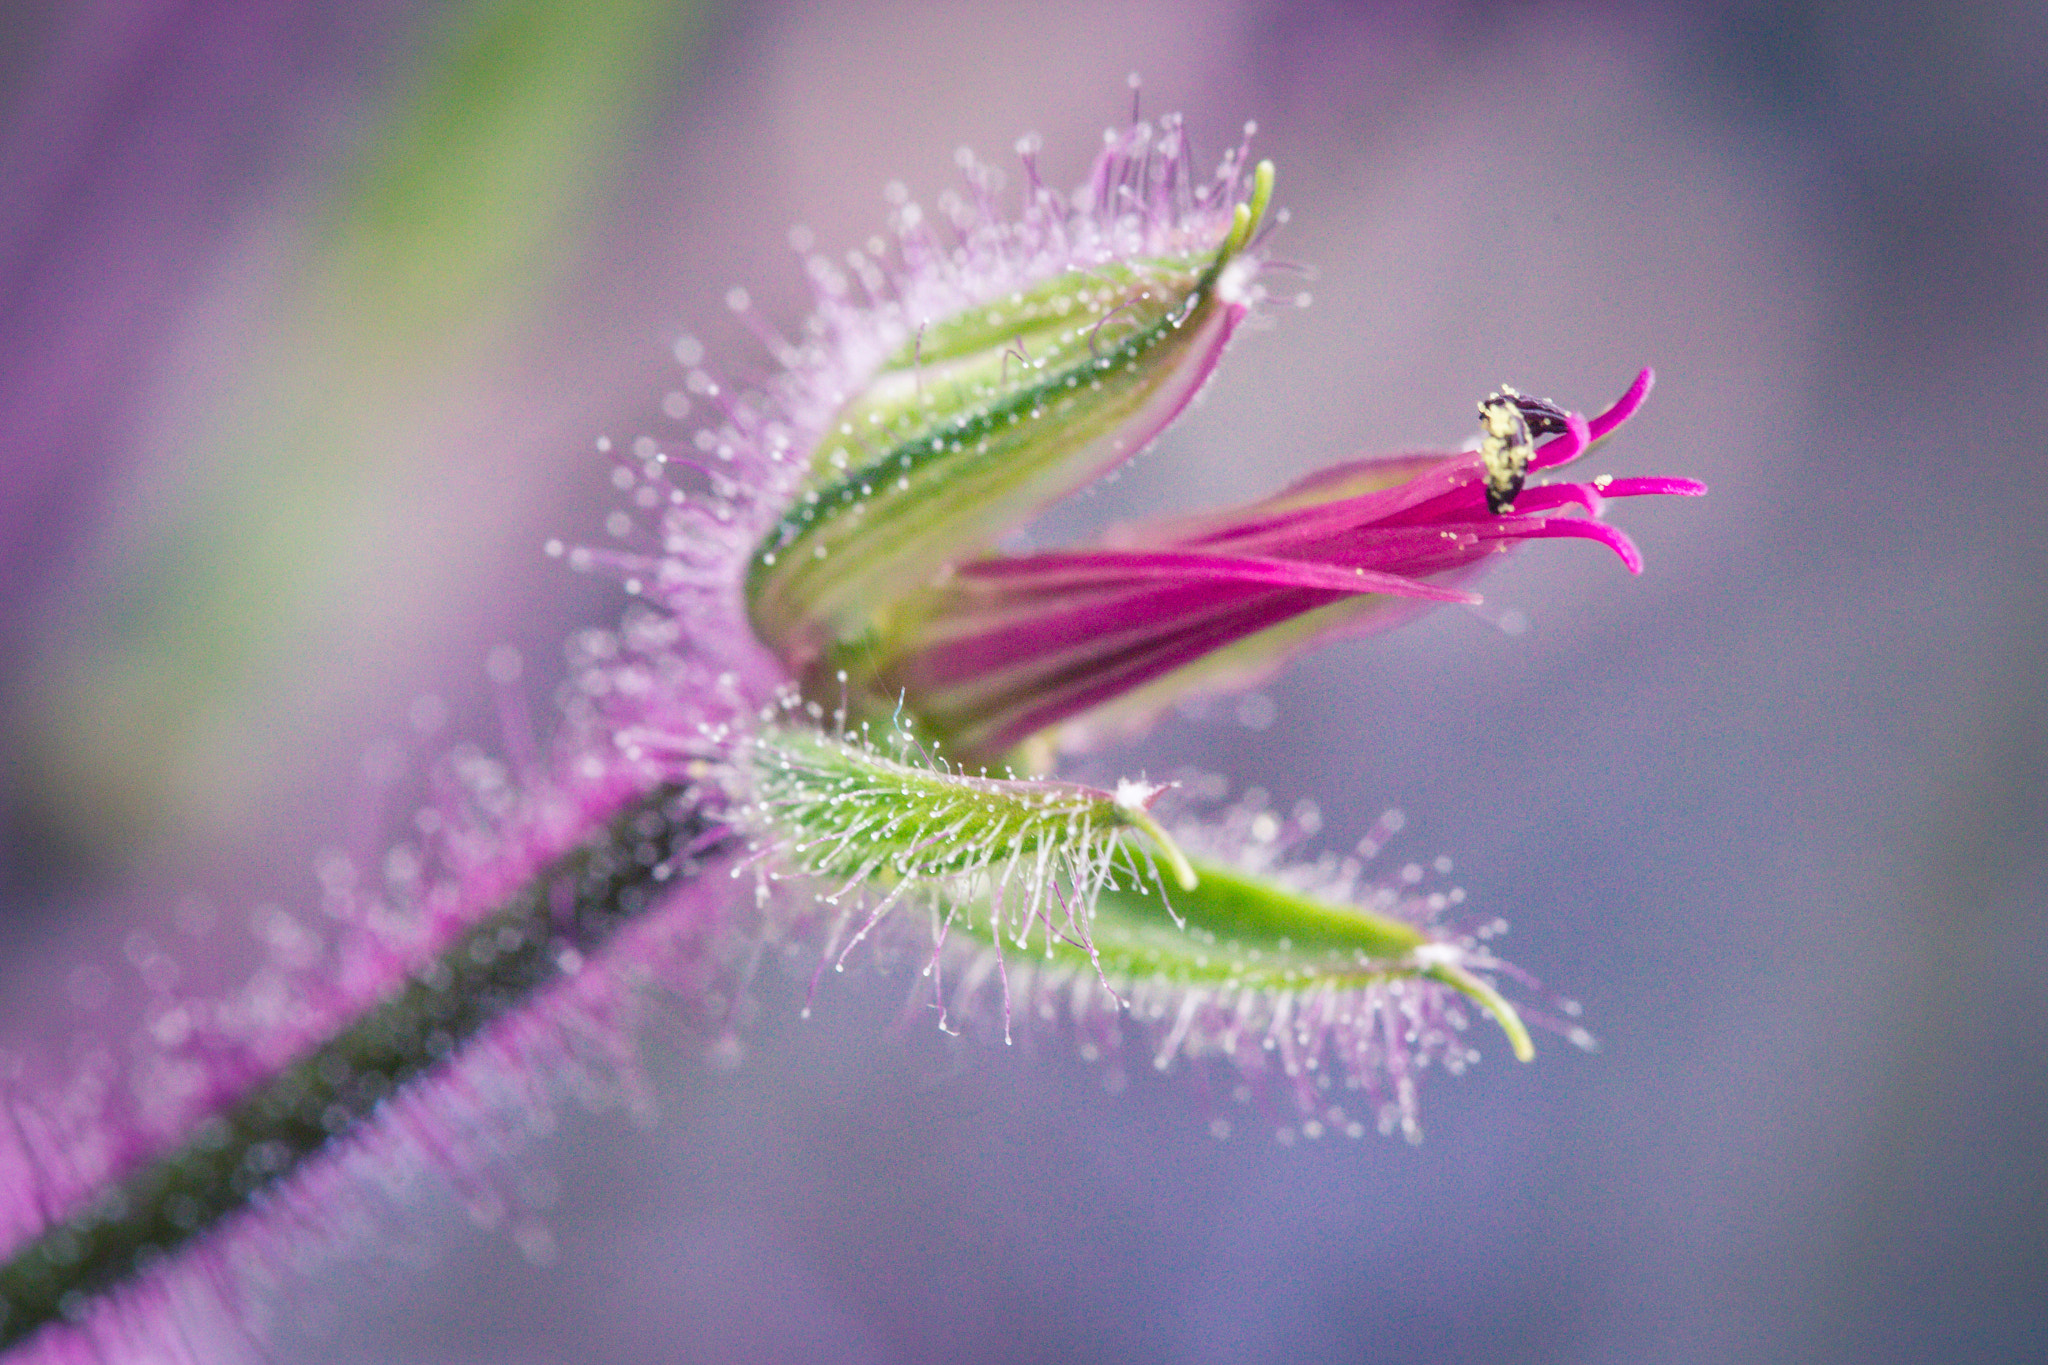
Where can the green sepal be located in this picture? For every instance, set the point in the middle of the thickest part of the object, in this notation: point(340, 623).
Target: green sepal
point(889, 820)
point(1239, 929)
point(983, 418)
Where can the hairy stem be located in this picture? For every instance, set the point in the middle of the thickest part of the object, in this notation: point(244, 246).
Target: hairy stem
point(571, 907)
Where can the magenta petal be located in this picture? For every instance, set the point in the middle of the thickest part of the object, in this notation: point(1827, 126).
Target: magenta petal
point(1047, 631)
point(1260, 529)
point(1544, 497)
point(1583, 528)
point(1652, 487)
point(1625, 406)
point(1008, 648)
point(1566, 448)
point(1071, 691)
point(1580, 434)
point(1115, 567)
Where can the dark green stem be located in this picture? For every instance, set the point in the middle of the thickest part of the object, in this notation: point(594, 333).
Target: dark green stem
point(571, 907)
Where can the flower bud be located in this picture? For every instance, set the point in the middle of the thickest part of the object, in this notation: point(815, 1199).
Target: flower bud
point(1061, 344)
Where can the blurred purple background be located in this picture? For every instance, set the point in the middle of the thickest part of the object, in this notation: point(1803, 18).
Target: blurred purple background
point(309, 319)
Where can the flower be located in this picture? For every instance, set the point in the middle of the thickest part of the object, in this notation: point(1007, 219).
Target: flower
point(932, 409)
point(827, 540)
point(1007, 647)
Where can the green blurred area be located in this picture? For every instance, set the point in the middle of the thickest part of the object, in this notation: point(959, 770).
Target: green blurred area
point(419, 278)
point(471, 200)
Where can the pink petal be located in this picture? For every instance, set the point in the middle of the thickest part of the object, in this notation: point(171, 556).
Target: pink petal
point(1624, 406)
point(1113, 568)
point(1553, 528)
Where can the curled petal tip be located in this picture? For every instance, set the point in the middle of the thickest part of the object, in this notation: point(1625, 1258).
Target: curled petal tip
point(1631, 557)
point(1625, 406)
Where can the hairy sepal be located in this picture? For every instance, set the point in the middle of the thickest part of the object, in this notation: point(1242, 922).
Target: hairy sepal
point(872, 823)
point(985, 417)
point(1299, 989)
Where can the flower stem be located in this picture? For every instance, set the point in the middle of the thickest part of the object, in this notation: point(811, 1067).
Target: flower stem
point(570, 907)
